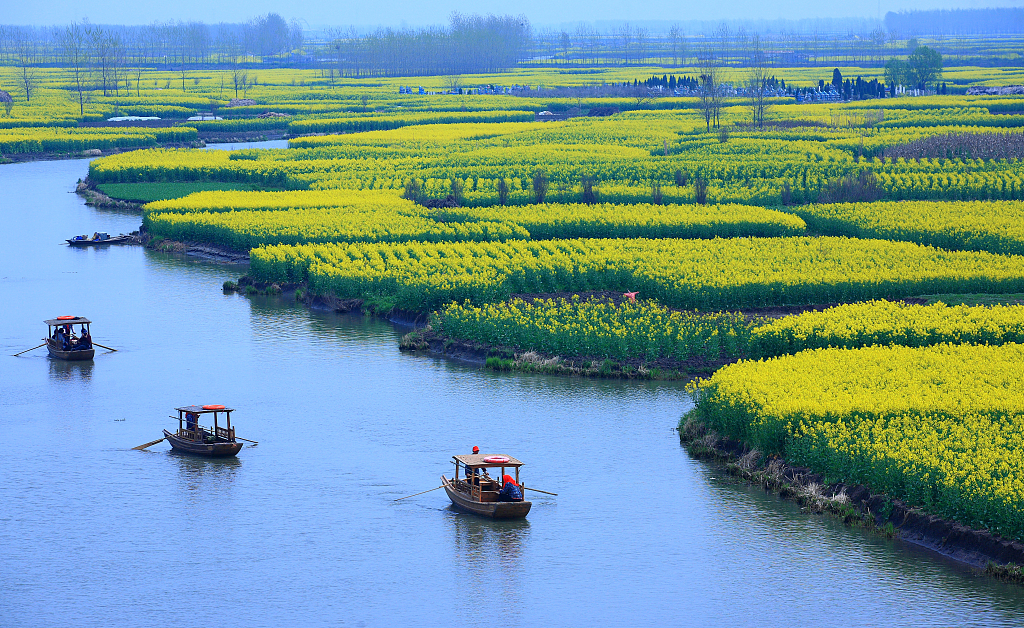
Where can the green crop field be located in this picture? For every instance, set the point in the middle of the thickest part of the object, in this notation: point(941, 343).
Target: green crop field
point(146, 192)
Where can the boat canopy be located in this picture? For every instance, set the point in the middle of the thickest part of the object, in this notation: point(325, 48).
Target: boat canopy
point(481, 460)
point(201, 410)
point(77, 320)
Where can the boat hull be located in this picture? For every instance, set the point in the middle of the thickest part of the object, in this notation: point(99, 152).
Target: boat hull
point(210, 450)
point(494, 510)
point(114, 240)
point(83, 354)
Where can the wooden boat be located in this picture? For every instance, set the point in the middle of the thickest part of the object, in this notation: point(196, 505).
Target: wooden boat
point(98, 239)
point(477, 492)
point(192, 438)
point(64, 344)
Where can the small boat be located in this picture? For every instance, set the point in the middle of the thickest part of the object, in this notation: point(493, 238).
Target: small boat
point(64, 344)
point(192, 438)
point(97, 239)
point(477, 492)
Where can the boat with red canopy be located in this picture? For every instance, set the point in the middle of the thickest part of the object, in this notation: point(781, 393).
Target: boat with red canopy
point(69, 338)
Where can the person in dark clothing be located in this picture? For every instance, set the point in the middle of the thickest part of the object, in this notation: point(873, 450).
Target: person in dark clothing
point(85, 340)
point(510, 492)
point(63, 338)
point(473, 475)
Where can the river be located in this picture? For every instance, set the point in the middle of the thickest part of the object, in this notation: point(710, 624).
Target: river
point(302, 529)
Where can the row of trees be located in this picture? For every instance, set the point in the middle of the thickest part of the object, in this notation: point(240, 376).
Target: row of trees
point(111, 59)
point(631, 45)
point(262, 37)
point(497, 42)
point(469, 44)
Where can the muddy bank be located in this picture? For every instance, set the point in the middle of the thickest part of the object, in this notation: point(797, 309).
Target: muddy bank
point(210, 252)
point(94, 198)
point(505, 358)
point(856, 505)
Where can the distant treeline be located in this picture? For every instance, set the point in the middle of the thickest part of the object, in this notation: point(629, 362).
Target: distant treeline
point(957, 21)
point(470, 44)
point(169, 43)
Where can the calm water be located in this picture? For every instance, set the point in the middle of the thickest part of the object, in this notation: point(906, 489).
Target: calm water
point(303, 530)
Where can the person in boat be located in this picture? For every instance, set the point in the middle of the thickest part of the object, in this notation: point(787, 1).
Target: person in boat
point(190, 421)
point(63, 337)
point(510, 492)
point(85, 340)
point(473, 476)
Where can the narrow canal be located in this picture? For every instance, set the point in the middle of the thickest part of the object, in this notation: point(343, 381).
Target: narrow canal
point(302, 530)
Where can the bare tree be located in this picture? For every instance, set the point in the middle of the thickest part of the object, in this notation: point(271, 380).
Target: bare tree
point(452, 83)
point(642, 38)
point(136, 45)
point(74, 51)
point(626, 36)
point(710, 90)
point(101, 53)
point(565, 42)
point(23, 45)
point(675, 36)
point(757, 81)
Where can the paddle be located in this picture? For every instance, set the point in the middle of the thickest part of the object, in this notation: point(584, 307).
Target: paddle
point(27, 350)
point(148, 444)
point(247, 440)
point(540, 491)
point(415, 494)
point(104, 346)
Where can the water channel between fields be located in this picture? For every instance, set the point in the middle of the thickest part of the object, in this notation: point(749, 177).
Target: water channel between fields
point(302, 529)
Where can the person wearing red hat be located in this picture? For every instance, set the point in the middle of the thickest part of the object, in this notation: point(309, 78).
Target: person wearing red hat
point(473, 475)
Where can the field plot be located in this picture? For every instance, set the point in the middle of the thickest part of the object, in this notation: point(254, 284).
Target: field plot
point(241, 220)
point(996, 226)
point(889, 323)
point(149, 192)
point(689, 274)
point(940, 427)
point(601, 328)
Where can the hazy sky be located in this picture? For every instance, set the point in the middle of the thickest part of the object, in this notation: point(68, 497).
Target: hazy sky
point(416, 12)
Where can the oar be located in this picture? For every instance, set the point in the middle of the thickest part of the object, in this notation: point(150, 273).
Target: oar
point(540, 491)
point(104, 346)
point(415, 494)
point(246, 440)
point(27, 350)
point(148, 444)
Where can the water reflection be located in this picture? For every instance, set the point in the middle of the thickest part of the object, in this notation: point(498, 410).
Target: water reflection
point(202, 480)
point(70, 371)
point(480, 544)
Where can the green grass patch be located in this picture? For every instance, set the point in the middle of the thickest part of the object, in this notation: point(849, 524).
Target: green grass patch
point(974, 299)
point(162, 191)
